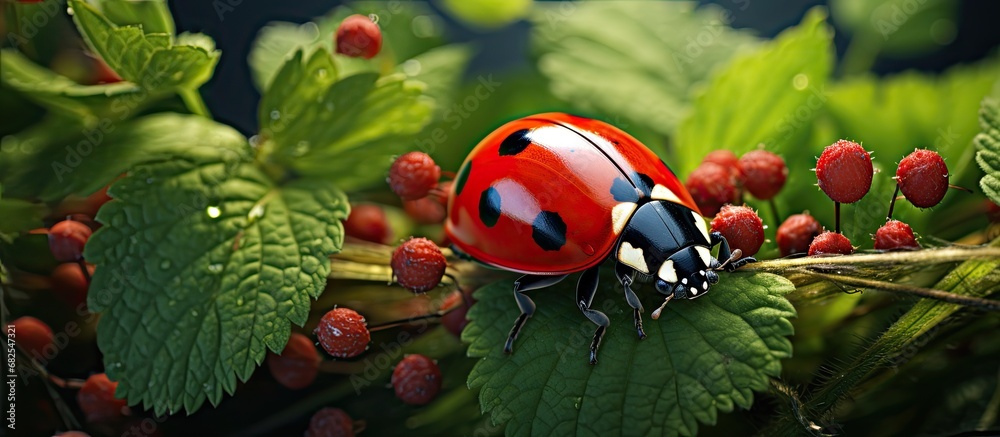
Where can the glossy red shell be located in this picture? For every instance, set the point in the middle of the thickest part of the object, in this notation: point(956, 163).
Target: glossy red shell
point(567, 170)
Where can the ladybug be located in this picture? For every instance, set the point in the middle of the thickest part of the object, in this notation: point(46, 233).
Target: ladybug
point(554, 194)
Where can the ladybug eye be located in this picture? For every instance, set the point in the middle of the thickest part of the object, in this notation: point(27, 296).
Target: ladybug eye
point(663, 286)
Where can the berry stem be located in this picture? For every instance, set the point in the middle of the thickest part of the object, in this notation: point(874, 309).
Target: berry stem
point(83, 268)
point(192, 99)
point(836, 207)
point(774, 211)
point(956, 187)
point(448, 174)
point(892, 203)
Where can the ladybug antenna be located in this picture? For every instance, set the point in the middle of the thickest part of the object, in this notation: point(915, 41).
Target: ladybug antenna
point(656, 314)
point(737, 254)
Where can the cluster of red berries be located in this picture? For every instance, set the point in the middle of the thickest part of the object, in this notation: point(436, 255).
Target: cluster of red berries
point(844, 172)
point(723, 179)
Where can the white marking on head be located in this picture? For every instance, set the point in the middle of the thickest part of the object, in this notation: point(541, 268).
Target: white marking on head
point(663, 193)
point(620, 215)
point(632, 257)
point(700, 222)
point(684, 281)
point(668, 272)
point(705, 254)
point(704, 285)
point(694, 291)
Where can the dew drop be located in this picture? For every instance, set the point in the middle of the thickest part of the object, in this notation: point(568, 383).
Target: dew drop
point(411, 67)
point(194, 313)
point(239, 302)
point(577, 403)
point(301, 148)
point(275, 115)
point(215, 268)
point(321, 73)
point(165, 264)
point(255, 141)
point(213, 211)
point(800, 81)
point(69, 10)
point(256, 212)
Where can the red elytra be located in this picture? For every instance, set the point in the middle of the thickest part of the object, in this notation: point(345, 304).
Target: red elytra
point(499, 194)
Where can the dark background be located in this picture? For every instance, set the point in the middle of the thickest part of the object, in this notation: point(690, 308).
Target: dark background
point(233, 100)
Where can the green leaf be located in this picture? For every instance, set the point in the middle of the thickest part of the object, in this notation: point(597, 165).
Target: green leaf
point(152, 61)
point(204, 264)
point(898, 27)
point(346, 130)
point(637, 60)
point(85, 163)
point(701, 357)
point(988, 144)
point(489, 14)
point(767, 97)
point(60, 94)
point(153, 15)
point(18, 215)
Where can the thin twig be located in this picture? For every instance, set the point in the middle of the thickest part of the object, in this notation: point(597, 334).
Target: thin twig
point(929, 293)
point(910, 258)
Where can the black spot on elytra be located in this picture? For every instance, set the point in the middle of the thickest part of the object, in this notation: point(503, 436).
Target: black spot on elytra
point(489, 206)
point(644, 183)
point(623, 191)
point(463, 176)
point(549, 230)
point(515, 143)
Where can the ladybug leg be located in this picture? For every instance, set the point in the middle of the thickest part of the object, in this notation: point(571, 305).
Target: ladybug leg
point(585, 291)
point(624, 274)
point(725, 253)
point(527, 306)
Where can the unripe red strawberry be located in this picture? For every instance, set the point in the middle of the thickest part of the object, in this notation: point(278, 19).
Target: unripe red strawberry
point(330, 422)
point(711, 186)
point(89, 205)
point(418, 265)
point(829, 243)
point(413, 175)
point(844, 171)
point(454, 321)
point(97, 399)
point(764, 173)
point(923, 178)
point(67, 238)
point(895, 235)
point(416, 379)
point(358, 37)
point(298, 363)
point(33, 335)
point(796, 233)
point(742, 228)
point(343, 333)
point(368, 222)
point(69, 282)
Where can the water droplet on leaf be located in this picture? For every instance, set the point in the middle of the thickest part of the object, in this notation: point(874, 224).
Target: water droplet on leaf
point(213, 211)
point(275, 115)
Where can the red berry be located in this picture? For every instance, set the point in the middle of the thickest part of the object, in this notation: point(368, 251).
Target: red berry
point(33, 335)
point(416, 379)
point(425, 211)
point(725, 158)
point(67, 238)
point(367, 222)
point(992, 211)
point(764, 173)
point(298, 363)
point(330, 422)
point(69, 282)
point(418, 265)
point(711, 186)
point(454, 321)
point(102, 73)
point(358, 37)
point(844, 171)
point(413, 175)
point(923, 178)
point(830, 243)
point(97, 399)
point(795, 234)
point(895, 235)
point(343, 333)
point(742, 228)
point(89, 205)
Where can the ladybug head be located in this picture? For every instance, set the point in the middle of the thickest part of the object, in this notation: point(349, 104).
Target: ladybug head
point(688, 274)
